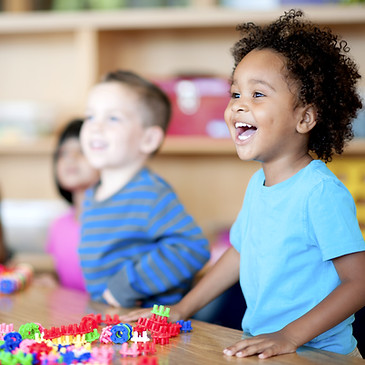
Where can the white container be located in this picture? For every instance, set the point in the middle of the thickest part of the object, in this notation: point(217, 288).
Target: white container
point(26, 222)
point(25, 119)
point(251, 4)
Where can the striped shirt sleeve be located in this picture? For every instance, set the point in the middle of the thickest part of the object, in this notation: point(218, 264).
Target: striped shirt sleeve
point(175, 251)
point(179, 252)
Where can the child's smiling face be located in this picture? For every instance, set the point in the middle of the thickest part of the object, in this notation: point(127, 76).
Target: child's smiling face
point(113, 129)
point(73, 171)
point(263, 112)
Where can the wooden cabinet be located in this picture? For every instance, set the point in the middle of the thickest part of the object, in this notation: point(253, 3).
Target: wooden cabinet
point(56, 57)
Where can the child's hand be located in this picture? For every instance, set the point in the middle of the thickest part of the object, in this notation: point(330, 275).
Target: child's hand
point(135, 314)
point(265, 346)
point(109, 298)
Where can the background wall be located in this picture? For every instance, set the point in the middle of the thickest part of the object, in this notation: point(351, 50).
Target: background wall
point(50, 59)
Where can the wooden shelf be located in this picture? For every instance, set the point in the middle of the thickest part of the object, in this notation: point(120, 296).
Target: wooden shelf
point(355, 147)
point(82, 46)
point(55, 58)
point(167, 18)
point(173, 145)
point(40, 146)
point(193, 145)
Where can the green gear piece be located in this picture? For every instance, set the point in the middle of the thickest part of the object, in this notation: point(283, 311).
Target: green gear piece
point(29, 330)
point(92, 336)
point(23, 359)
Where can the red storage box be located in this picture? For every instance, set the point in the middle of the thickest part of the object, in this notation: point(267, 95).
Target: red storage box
point(198, 105)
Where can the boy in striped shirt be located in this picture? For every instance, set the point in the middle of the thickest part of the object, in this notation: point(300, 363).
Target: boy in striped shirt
point(138, 245)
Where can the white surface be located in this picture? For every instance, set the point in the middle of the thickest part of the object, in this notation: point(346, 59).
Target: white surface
point(26, 222)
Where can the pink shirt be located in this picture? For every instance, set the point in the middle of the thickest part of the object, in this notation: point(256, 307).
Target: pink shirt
point(63, 240)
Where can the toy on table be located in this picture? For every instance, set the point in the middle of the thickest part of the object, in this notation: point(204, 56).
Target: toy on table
point(72, 343)
point(15, 278)
point(121, 333)
point(185, 326)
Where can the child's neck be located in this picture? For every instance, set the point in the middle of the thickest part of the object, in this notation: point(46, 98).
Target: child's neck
point(78, 198)
point(279, 171)
point(112, 180)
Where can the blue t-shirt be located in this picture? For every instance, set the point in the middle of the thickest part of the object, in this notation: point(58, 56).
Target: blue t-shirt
point(287, 235)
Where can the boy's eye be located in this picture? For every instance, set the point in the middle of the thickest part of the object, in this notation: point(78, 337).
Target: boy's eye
point(113, 118)
point(257, 94)
point(235, 95)
point(88, 118)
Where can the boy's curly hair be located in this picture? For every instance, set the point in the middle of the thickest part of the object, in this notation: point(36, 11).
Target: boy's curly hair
point(317, 60)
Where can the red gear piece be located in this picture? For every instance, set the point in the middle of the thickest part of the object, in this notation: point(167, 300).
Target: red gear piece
point(147, 348)
point(129, 351)
point(54, 332)
point(174, 329)
point(109, 320)
point(160, 338)
point(139, 329)
point(97, 317)
point(39, 349)
point(89, 322)
point(145, 360)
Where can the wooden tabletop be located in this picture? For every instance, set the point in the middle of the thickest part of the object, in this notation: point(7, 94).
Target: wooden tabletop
point(204, 345)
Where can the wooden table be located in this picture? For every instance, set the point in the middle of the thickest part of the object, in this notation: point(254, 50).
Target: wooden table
point(204, 345)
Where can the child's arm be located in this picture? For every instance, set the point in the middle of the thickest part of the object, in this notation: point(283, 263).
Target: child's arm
point(345, 300)
point(172, 250)
point(220, 277)
point(171, 263)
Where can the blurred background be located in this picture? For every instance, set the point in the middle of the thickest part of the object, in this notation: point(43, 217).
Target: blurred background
point(52, 52)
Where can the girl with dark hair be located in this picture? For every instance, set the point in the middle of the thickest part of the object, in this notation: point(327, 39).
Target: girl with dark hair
point(73, 175)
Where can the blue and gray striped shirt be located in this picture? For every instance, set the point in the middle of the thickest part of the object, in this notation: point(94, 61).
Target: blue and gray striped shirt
point(140, 244)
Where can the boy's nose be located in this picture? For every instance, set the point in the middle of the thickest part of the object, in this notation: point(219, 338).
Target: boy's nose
point(97, 124)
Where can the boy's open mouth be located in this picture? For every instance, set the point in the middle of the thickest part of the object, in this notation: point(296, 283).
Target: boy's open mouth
point(244, 130)
point(97, 145)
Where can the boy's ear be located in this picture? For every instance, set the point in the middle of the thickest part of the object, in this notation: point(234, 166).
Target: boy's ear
point(152, 139)
point(308, 120)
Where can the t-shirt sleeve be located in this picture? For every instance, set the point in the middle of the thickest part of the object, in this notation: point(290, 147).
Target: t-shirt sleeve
point(332, 220)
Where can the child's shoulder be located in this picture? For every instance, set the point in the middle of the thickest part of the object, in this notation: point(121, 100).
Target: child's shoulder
point(151, 181)
point(318, 171)
point(316, 174)
point(66, 222)
point(320, 180)
point(65, 218)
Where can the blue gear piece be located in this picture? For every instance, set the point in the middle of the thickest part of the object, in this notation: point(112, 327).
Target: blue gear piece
point(121, 333)
point(11, 341)
point(68, 357)
point(7, 286)
point(185, 326)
